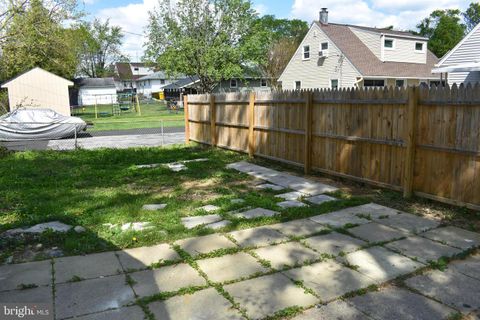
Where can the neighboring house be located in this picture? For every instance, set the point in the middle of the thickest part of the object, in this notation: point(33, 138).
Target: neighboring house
point(462, 63)
point(154, 83)
point(342, 56)
point(126, 74)
point(38, 88)
point(96, 91)
point(176, 90)
point(249, 83)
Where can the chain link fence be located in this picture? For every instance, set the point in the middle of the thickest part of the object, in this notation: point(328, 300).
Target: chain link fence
point(118, 134)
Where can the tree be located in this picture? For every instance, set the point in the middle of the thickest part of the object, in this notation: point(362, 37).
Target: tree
point(278, 55)
point(34, 36)
point(444, 29)
point(99, 47)
point(210, 39)
point(472, 16)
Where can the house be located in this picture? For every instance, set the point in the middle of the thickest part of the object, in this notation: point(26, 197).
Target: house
point(96, 91)
point(178, 89)
point(38, 88)
point(249, 83)
point(127, 73)
point(342, 56)
point(154, 83)
point(462, 64)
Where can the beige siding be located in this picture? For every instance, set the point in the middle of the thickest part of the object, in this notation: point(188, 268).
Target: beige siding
point(39, 89)
point(404, 51)
point(317, 72)
point(372, 41)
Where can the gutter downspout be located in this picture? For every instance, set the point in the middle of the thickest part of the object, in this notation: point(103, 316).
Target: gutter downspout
point(358, 81)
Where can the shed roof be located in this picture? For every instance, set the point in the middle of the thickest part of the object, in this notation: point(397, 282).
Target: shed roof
point(95, 83)
point(182, 83)
point(36, 69)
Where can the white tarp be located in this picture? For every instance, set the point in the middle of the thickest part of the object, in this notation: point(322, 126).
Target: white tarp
point(38, 124)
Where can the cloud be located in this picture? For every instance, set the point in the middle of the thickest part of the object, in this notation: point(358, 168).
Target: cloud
point(132, 18)
point(261, 9)
point(405, 14)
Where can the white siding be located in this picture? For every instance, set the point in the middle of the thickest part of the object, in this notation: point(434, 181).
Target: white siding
point(371, 40)
point(99, 96)
point(147, 87)
point(468, 51)
point(317, 72)
point(404, 51)
point(38, 88)
point(242, 86)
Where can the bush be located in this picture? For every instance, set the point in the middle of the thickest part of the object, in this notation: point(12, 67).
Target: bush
point(3, 102)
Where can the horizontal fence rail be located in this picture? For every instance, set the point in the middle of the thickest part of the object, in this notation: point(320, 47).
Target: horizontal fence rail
point(419, 140)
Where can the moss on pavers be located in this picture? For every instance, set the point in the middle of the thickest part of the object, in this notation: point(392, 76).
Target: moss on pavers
point(266, 295)
point(14, 276)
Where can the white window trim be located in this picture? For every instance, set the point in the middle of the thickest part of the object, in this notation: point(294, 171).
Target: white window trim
point(328, 45)
point(393, 44)
point(261, 83)
point(309, 52)
point(236, 84)
point(424, 45)
point(295, 84)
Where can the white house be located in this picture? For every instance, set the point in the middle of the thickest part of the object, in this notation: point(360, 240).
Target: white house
point(127, 74)
point(38, 88)
point(98, 91)
point(462, 63)
point(154, 83)
point(341, 56)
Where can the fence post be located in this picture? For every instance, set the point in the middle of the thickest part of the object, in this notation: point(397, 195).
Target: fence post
point(308, 132)
point(412, 106)
point(213, 120)
point(187, 122)
point(251, 125)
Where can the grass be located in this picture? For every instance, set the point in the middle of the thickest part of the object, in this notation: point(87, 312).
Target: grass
point(92, 188)
point(151, 115)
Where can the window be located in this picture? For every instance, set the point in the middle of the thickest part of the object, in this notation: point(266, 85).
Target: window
point(263, 82)
point(334, 83)
point(306, 52)
point(418, 46)
point(233, 83)
point(400, 83)
point(388, 44)
point(298, 85)
point(373, 83)
point(324, 46)
point(136, 69)
point(162, 81)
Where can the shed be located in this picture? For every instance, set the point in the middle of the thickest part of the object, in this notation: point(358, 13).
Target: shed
point(38, 88)
point(98, 91)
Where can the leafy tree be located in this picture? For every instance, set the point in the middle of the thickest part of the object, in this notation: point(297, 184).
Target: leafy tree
point(444, 29)
point(211, 39)
point(472, 15)
point(34, 36)
point(99, 47)
point(277, 57)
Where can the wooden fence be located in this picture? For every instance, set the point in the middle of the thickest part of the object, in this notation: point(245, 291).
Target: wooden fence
point(415, 140)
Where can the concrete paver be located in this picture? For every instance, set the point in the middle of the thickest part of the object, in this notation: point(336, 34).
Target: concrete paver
point(395, 303)
point(269, 186)
point(256, 213)
point(299, 228)
point(329, 279)
point(130, 313)
point(195, 221)
point(294, 195)
point(334, 243)
point(204, 304)
point(338, 219)
point(166, 279)
point(381, 264)
point(231, 267)
point(144, 257)
point(286, 254)
point(154, 207)
point(35, 295)
point(291, 204)
point(205, 244)
point(320, 199)
point(374, 232)
point(37, 273)
point(469, 266)
point(209, 208)
point(256, 237)
point(454, 237)
point(86, 267)
point(422, 249)
point(266, 295)
point(218, 225)
point(338, 310)
point(89, 296)
point(410, 223)
point(451, 288)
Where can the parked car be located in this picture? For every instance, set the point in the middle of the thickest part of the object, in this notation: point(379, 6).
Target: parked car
point(38, 124)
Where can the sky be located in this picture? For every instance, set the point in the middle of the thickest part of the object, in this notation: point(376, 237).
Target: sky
point(132, 15)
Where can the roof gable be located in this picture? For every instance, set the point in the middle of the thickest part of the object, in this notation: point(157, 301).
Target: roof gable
point(460, 44)
point(35, 70)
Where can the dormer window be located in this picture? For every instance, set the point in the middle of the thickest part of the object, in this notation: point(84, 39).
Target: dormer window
point(419, 46)
point(306, 52)
point(389, 44)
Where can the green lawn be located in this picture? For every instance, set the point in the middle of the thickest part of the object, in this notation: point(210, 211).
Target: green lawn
point(93, 188)
point(151, 117)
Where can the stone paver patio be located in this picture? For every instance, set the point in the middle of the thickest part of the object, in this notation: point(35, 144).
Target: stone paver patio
point(315, 265)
